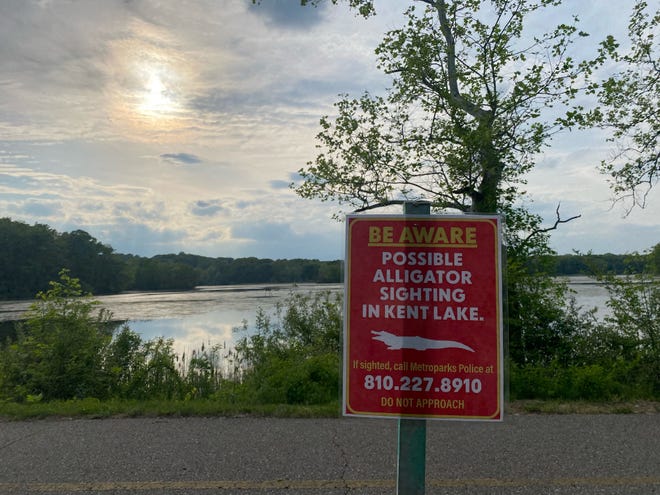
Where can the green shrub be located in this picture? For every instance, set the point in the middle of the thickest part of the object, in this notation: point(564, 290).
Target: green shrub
point(58, 351)
point(294, 356)
point(594, 382)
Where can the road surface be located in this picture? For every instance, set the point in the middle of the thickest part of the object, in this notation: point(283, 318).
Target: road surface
point(525, 454)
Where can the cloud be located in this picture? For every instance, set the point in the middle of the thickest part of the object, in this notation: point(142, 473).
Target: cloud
point(261, 231)
point(144, 238)
point(277, 93)
point(177, 158)
point(286, 242)
point(288, 14)
point(33, 208)
point(206, 208)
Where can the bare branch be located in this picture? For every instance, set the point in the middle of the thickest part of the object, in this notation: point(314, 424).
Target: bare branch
point(558, 221)
point(381, 205)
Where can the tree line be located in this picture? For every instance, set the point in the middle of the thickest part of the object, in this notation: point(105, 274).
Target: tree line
point(33, 255)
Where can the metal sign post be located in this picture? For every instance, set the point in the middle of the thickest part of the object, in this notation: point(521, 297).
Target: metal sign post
point(411, 450)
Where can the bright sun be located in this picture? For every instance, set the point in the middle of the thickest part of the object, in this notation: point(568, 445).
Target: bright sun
point(157, 99)
point(151, 78)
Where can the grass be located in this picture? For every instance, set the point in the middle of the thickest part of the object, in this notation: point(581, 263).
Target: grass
point(96, 409)
point(582, 407)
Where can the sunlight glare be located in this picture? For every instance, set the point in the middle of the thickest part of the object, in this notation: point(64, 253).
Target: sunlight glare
point(151, 84)
point(157, 98)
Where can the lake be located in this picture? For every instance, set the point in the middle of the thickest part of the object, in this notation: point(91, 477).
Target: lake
point(191, 318)
point(213, 314)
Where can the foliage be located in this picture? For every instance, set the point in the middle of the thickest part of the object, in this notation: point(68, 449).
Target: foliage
point(543, 329)
point(65, 350)
point(654, 260)
point(464, 117)
point(93, 263)
point(158, 377)
point(540, 328)
point(474, 99)
point(630, 106)
point(595, 382)
point(598, 359)
point(58, 350)
point(30, 259)
point(31, 256)
point(594, 264)
point(154, 274)
point(203, 374)
point(124, 360)
point(635, 320)
point(67, 354)
point(293, 357)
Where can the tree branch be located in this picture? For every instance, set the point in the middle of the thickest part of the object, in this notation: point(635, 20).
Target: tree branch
point(455, 95)
point(558, 221)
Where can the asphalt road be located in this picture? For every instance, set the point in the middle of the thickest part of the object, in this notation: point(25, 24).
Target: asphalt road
point(526, 454)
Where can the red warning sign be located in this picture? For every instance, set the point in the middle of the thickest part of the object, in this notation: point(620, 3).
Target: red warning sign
point(423, 322)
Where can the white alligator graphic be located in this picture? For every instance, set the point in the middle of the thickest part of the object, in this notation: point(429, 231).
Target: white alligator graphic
point(396, 342)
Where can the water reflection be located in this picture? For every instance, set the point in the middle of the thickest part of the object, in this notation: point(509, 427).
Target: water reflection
point(191, 331)
point(206, 315)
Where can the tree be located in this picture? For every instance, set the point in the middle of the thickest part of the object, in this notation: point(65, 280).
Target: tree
point(472, 103)
point(154, 274)
point(33, 255)
point(58, 353)
point(654, 260)
point(465, 115)
point(634, 302)
point(630, 107)
point(92, 262)
point(30, 258)
point(124, 363)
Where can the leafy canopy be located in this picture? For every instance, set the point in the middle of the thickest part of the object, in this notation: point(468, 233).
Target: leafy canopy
point(630, 107)
point(472, 102)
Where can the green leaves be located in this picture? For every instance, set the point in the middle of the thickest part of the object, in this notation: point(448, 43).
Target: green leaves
point(630, 107)
point(58, 351)
point(465, 116)
point(294, 356)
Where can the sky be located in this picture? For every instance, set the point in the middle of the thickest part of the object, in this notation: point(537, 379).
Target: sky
point(168, 126)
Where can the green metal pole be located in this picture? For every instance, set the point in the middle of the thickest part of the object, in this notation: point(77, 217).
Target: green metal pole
point(411, 452)
point(411, 457)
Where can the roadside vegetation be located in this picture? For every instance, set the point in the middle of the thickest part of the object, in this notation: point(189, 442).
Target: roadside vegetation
point(474, 101)
point(67, 359)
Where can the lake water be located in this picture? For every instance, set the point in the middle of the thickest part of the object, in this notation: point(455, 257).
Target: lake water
point(192, 318)
point(213, 314)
